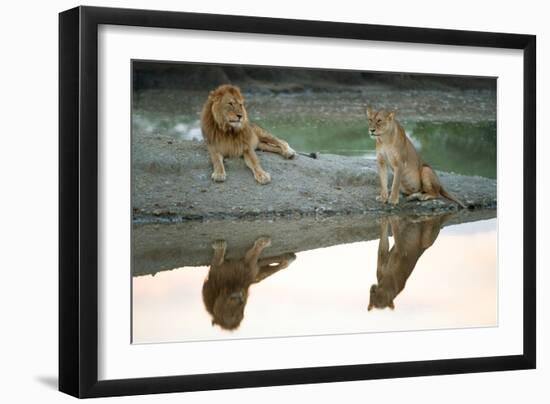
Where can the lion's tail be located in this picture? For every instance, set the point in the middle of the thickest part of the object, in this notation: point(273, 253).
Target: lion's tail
point(451, 197)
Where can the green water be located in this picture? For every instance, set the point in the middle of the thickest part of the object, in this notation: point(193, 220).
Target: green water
point(460, 147)
point(458, 142)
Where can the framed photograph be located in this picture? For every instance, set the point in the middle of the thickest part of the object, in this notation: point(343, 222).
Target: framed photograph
point(252, 201)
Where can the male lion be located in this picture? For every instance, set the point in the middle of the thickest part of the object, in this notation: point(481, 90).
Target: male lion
point(411, 175)
point(225, 291)
point(411, 238)
point(227, 132)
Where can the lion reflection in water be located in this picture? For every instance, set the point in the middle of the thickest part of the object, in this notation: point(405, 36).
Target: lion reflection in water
point(412, 236)
point(225, 290)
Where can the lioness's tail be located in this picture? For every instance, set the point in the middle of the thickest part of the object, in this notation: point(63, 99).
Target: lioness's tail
point(451, 197)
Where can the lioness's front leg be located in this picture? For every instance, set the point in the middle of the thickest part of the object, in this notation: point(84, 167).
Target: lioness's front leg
point(217, 161)
point(396, 185)
point(383, 257)
point(252, 162)
point(383, 248)
point(383, 174)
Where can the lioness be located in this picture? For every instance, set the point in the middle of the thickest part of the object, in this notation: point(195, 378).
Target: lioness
point(411, 175)
point(225, 291)
point(411, 238)
point(227, 133)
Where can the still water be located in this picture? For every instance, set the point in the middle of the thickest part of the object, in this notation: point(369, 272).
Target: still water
point(453, 131)
point(421, 273)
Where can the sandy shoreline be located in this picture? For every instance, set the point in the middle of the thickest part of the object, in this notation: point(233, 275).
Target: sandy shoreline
point(171, 182)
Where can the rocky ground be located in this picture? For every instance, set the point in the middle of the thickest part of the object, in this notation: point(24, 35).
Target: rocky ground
point(171, 182)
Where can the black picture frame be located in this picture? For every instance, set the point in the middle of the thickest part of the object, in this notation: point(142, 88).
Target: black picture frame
point(78, 201)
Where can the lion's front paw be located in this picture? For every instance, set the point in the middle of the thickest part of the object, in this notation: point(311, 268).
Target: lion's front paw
point(263, 242)
point(382, 198)
point(219, 244)
point(218, 177)
point(262, 177)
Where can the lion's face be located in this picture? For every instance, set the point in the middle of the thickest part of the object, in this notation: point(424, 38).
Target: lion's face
point(228, 108)
point(228, 310)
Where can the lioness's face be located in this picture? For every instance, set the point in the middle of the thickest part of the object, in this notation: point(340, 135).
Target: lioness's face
point(379, 122)
point(379, 298)
point(230, 111)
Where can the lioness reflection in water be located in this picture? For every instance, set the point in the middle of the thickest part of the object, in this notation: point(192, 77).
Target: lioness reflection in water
point(225, 290)
point(412, 236)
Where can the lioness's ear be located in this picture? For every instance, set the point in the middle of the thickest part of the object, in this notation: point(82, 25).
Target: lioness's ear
point(391, 115)
point(369, 111)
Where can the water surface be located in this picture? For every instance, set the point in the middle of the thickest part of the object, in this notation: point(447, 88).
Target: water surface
point(426, 277)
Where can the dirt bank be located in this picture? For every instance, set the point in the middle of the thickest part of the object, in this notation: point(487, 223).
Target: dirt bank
point(160, 247)
point(171, 182)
